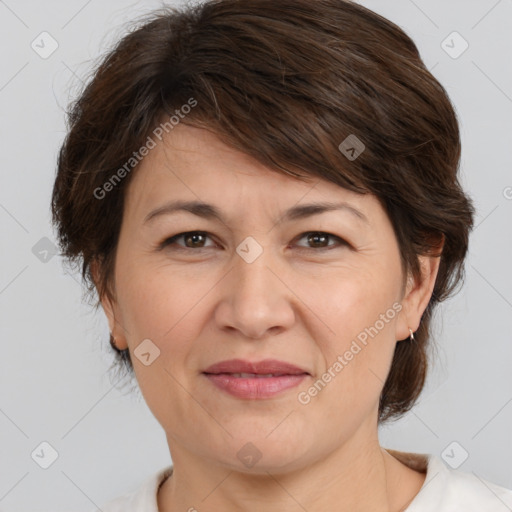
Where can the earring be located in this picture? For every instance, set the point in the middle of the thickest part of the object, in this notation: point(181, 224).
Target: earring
point(411, 335)
point(113, 343)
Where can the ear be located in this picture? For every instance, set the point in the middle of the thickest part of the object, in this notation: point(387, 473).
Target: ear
point(417, 294)
point(110, 308)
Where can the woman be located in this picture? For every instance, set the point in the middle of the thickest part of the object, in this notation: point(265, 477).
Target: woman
point(264, 195)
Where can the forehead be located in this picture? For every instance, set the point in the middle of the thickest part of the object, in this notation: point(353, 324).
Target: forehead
point(190, 154)
point(194, 164)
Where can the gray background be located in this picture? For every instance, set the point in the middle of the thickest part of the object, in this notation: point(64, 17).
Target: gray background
point(54, 384)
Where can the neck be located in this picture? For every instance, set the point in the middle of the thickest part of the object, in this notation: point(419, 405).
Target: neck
point(359, 476)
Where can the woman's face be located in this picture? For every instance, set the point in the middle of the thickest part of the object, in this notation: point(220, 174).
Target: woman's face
point(259, 285)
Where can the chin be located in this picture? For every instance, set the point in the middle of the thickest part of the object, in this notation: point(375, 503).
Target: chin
point(262, 453)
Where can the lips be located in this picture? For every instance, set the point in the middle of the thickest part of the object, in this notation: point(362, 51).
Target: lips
point(255, 380)
point(267, 367)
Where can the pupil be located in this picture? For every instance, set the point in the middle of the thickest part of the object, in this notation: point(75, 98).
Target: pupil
point(316, 236)
point(194, 237)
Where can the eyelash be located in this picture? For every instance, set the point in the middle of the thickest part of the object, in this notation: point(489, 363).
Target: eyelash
point(172, 241)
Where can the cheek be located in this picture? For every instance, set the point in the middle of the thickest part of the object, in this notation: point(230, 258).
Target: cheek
point(157, 302)
point(165, 306)
point(351, 303)
point(360, 311)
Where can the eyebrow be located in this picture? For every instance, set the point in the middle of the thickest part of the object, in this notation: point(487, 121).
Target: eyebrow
point(209, 211)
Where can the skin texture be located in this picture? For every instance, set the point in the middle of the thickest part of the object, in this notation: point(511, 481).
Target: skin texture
point(297, 302)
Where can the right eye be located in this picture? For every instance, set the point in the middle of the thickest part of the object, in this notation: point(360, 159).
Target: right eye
point(189, 237)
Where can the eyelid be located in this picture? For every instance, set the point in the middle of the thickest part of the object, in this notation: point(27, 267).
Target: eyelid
point(172, 240)
point(341, 242)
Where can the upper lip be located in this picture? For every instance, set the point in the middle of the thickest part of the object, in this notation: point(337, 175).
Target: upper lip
point(258, 367)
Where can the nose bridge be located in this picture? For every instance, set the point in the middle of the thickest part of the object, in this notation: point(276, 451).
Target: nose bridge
point(254, 282)
point(253, 275)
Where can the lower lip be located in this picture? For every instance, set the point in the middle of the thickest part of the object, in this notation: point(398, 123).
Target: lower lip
point(255, 388)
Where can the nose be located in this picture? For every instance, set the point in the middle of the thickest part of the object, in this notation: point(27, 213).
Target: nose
point(256, 299)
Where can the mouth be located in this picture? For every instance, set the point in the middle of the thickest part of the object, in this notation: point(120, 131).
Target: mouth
point(254, 375)
point(255, 380)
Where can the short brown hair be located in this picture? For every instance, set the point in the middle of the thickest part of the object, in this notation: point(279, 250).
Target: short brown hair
point(286, 82)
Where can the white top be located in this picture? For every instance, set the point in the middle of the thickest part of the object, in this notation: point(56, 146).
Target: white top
point(444, 490)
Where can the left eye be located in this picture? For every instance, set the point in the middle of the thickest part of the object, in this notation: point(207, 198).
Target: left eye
point(192, 238)
point(319, 237)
